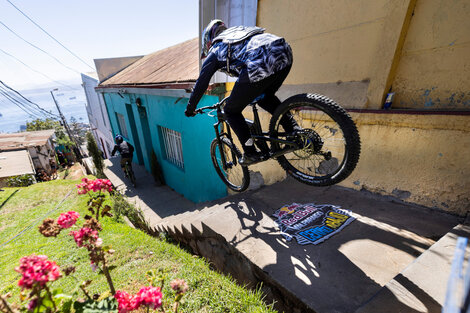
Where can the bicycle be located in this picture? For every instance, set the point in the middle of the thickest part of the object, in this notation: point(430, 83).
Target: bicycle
point(129, 173)
point(324, 151)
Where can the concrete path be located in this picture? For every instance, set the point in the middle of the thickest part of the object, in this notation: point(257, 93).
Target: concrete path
point(341, 274)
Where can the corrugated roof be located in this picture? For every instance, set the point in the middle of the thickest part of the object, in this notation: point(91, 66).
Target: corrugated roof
point(176, 64)
point(25, 139)
point(13, 163)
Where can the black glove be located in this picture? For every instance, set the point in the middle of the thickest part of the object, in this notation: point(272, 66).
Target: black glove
point(189, 112)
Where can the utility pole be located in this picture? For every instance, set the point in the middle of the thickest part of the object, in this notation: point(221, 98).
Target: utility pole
point(67, 129)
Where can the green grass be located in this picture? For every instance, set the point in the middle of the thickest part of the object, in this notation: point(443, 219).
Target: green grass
point(136, 252)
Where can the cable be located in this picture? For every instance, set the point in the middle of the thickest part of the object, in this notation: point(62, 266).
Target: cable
point(57, 82)
point(49, 34)
point(17, 104)
point(37, 105)
point(27, 106)
point(35, 221)
point(34, 46)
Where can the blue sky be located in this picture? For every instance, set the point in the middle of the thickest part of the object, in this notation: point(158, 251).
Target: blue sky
point(91, 30)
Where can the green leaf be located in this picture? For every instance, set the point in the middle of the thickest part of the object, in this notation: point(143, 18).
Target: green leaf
point(108, 304)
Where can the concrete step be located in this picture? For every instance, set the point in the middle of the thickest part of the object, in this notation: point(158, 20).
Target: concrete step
point(421, 286)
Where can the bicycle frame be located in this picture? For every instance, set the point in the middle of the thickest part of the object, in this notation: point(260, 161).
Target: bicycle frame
point(261, 138)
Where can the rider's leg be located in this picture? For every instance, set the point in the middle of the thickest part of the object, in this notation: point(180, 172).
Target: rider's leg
point(270, 101)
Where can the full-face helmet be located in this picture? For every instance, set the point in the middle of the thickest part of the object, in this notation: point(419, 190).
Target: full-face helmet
point(119, 139)
point(214, 28)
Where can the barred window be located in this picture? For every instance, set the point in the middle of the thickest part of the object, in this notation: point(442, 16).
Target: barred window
point(173, 147)
point(122, 125)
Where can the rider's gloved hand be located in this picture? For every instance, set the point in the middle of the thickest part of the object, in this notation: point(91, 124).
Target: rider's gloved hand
point(189, 113)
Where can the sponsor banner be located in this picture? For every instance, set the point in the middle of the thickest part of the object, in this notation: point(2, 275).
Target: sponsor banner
point(311, 223)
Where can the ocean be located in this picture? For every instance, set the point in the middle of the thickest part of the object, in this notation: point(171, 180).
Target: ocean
point(72, 102)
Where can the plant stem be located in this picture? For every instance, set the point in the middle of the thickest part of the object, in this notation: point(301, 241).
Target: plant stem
point(108, 277)
point(50, 295)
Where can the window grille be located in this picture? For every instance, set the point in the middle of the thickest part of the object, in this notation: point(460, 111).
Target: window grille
point(122, 125)
point(173, 147)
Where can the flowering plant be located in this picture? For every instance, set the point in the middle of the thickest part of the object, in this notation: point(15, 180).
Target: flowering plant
point(37, 272)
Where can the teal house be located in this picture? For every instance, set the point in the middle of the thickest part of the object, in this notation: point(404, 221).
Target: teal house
point(146, 102)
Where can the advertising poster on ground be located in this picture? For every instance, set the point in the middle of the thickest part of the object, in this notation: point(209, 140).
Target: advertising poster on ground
point(311, 223)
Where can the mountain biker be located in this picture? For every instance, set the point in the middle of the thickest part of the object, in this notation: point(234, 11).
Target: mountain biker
point(261, 61)
point(125, 149)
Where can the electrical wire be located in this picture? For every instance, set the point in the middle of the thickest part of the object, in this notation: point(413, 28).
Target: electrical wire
point(32, 111)
point(5, 94)
point(57, 82)
point(34, 46)
point(35, 104)
point(49, 34)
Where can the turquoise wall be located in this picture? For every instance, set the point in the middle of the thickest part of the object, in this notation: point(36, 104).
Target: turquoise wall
point(198, 181)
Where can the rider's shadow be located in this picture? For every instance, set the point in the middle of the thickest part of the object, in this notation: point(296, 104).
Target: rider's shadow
point(342, 273)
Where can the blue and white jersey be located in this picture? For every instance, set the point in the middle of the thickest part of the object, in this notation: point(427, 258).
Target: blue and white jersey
point(261, 55)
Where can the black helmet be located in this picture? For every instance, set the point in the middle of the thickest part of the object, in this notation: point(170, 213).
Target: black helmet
point(214, 28)
point(119, 139)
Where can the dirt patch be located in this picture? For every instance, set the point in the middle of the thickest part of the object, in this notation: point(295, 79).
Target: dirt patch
point(75, 172)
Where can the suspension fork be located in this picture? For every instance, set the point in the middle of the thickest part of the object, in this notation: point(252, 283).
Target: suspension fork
point(219, 135)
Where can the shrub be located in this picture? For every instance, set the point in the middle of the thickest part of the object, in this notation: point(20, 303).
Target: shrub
point(95, 154)
point(21, 180)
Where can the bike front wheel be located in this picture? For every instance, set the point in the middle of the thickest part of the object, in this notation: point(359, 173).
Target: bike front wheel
point(328, 141)
point(234, 175)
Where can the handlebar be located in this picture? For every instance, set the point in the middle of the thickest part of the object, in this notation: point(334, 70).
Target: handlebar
point(212, 107)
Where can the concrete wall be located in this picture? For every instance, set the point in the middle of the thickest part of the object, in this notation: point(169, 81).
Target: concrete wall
point(434, 66)
point(197, 181)
point(339, 43)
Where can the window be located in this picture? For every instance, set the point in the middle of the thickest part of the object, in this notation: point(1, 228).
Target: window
point(173, 147)
point(122, 125)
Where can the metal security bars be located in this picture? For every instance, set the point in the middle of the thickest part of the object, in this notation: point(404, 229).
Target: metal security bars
point(173, 147)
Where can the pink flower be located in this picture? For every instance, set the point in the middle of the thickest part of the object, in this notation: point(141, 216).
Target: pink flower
point(150, 296)
point(126, 302)
point(94, 185)
point(179, 285)
point(85, 237)
point(67, 220)
point(36, 269)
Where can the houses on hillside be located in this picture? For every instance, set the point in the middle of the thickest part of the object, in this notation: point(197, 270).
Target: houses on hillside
point(26, 153)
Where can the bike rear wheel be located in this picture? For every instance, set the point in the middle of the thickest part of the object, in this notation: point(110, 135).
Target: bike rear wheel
point(130, 174)
point(329, 140)
point(235, 176)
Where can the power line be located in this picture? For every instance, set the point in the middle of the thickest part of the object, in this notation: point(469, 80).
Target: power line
point(48, 34)
point(12, 56)
point(35, 104)
point(27, 109)
point(34, 46)
point(8, 97)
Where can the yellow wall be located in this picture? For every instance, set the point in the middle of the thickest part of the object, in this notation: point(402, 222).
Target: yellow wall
point(340, 41)
point(434, 66)
point(422, 159)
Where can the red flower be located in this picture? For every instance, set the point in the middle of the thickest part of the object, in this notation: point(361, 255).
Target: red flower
point(126, 302)
point(36, 269)
point(85, 237)
point(67, 220)
point(94, 185)
point(150, 296)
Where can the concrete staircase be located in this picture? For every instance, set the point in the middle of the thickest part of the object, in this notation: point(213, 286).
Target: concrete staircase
point(383, 262)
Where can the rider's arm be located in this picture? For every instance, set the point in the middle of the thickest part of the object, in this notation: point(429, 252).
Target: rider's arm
point(209, 67)
point(114, 150)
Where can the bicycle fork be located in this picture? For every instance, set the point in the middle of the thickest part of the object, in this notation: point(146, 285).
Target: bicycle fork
point(219, 135)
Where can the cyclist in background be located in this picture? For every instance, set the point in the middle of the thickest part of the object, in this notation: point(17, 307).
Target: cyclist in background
point(261, 61)
point(126, 150)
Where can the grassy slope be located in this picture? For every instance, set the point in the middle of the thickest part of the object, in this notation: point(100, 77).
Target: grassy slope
point(136, 253)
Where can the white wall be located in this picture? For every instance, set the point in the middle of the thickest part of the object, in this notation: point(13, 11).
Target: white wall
point(97, 115)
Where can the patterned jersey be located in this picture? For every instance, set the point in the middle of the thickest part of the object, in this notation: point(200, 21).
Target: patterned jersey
point(261, 55)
